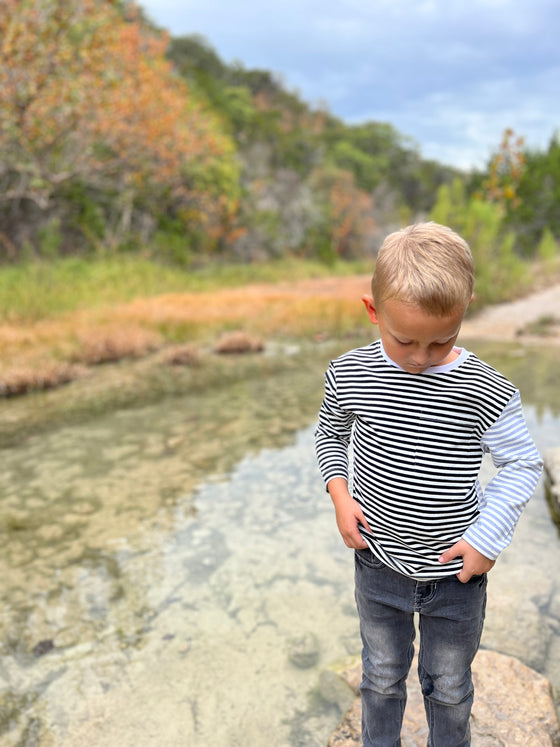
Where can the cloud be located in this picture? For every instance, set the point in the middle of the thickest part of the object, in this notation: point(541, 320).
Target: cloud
point(452, 75)
point(463, 127)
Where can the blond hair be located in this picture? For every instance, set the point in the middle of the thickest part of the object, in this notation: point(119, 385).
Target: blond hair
point(427, 265)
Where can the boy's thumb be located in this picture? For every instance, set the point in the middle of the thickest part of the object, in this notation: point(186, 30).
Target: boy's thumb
point(448, 555)
point(363, 522)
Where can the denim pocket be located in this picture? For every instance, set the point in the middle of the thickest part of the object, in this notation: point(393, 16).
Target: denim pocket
point(479, 581)
point(366, 557)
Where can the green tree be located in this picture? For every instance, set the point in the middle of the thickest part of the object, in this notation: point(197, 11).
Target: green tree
point(500, 273)
point(538, 195)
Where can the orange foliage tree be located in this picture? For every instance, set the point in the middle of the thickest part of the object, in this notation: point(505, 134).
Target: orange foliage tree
point(87, 95)
point(349, 212)
point(505, 171)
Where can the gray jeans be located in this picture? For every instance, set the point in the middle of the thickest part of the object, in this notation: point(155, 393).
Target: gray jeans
point(451, 615)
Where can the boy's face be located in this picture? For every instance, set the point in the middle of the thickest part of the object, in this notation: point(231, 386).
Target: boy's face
point(412, 338)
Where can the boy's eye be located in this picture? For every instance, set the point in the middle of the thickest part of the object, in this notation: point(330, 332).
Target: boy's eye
point(432, 344)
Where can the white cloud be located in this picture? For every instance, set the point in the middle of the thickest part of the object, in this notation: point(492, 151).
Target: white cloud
point(452, 75)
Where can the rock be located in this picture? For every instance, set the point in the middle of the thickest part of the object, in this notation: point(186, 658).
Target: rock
point(348, 732)
point(526, 635)
point(552, 481)
point(43, 647)
point(552, 464)
point(340, 683)
point(334, 690)
point(552, 670)
point(513, 706)
point(304, 651)
point(554, 608)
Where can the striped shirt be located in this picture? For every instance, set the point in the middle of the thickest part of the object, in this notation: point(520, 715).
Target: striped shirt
point(418, 442)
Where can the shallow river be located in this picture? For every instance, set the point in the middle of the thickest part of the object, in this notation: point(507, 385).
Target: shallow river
point(163, 566)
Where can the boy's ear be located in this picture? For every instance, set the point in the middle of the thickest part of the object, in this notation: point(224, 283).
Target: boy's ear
point(370, 308)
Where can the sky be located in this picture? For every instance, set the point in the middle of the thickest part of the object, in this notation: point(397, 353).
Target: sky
point(450, 74)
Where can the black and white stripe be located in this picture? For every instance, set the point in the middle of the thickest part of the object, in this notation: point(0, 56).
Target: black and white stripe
point(418, 441)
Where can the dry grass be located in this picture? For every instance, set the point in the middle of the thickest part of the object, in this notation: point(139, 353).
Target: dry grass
point(265, 310)
point(51, 352)
point(110, 344)
point(238, 342)
point(181, 355)
point(22, 379)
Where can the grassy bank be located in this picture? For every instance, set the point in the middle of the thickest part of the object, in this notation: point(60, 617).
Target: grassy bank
point(37, 290)
point(161, 329)
point(59, 319)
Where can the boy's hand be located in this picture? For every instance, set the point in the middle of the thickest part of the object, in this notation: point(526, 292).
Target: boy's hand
point(474, 563)
point(348, 515)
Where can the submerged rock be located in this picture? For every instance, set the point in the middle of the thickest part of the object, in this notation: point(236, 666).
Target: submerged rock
point(552, 482)
point(43, 647)
point(513, 706)
point(340, 683)
point(304, 650)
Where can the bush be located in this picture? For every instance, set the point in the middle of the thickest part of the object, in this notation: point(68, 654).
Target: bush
point(500, 272)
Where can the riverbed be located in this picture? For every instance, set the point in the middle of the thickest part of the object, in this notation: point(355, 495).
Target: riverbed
point(162, 564)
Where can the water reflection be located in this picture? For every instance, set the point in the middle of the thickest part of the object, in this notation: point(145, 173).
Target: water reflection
point(173, 552)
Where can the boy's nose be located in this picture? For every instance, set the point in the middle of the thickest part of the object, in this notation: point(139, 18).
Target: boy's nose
point(420, 357)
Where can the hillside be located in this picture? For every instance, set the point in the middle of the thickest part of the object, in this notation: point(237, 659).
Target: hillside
point(115, 137)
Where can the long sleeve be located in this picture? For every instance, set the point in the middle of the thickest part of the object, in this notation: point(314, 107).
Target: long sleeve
point(417, 441)
point(333, 433)
point(504, 498)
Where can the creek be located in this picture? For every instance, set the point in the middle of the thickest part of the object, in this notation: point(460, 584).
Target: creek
point(162, 565)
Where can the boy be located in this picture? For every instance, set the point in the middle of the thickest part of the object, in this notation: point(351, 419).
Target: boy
point(421, 413)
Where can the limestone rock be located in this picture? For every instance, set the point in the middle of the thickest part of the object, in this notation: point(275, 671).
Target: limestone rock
point(513, 706)
point(552, 464)
point(348, 732)
point(552, 481)
point(526, 635)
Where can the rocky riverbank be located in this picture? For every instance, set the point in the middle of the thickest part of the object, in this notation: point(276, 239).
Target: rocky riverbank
point(513, 706)
point(535, 318)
